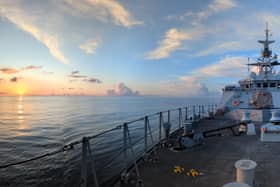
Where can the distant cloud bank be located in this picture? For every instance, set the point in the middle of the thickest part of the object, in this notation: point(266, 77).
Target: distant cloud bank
point(122, 90)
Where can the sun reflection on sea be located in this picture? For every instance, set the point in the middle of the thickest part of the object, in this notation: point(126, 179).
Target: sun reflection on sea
point(20, 109)
point(22, 124)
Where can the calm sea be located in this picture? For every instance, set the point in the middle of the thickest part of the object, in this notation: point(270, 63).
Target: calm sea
point(35, 125)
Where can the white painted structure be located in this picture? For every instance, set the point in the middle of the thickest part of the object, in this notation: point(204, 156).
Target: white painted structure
point(270, 132)
point(245, 171)
point(258, 93)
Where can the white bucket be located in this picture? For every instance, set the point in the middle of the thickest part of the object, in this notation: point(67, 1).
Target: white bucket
point(236, 184)
point(245, 171)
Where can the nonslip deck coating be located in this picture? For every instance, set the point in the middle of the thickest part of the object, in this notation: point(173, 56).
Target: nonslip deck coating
point(215, 159)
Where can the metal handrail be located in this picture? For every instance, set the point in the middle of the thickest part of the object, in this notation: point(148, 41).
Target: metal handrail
point(183, 114)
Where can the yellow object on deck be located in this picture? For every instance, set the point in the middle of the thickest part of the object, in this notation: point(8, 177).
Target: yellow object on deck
point(192, 173)
point(178, 169)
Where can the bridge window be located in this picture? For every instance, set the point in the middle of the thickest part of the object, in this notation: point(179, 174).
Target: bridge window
point(258, 85)
point(265, 85)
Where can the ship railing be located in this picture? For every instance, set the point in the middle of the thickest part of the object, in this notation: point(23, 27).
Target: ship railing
point(131, 142)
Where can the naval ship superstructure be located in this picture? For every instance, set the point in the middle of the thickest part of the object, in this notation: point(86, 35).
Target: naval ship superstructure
point(259, 93)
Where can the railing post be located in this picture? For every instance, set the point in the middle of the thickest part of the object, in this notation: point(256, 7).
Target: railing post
point(125, 144)
point(92, 164)
point(146, 134)
point(186, 117)
point(84, 162)
point(160, 126)
point(202, 111)
point(199, 112)
point(193, 112)
point(216, 107)
point(180, 117)
point(168, 117)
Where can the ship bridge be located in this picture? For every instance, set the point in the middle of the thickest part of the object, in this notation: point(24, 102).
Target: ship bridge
point(265, 77)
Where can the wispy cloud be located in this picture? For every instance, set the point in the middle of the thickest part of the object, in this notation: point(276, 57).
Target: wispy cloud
point(23, 19)
point(105, 10)
point(93, 80)
point(174, 38)
point(31, 67)
point(196, 83)
point(122, 90)
point(214, 7)
point(223, 47)
point(15, 79)
point(172, 41)
point(14, 70)
point(47, 72)
point(9, 70)
point(76, 74)
point(227, 67)
point(89, 46)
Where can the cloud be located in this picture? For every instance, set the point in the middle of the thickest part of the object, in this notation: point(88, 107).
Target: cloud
point(1, 80)
point(227, 67)
point(93, 80)
point(47, 72)
point(14, 71)
point(31, 67)
point(76, 74)
point(172, 41)
point(9, 70)
point(195, 32)
point(15, 79)
point(220, 48)
point(194, 84)
point(196, 18)
point(3, 93)
point(104, 10)
point(89, 46)
point(122, 90)
point(192, 87)
point(174, 38)
point(28, 22)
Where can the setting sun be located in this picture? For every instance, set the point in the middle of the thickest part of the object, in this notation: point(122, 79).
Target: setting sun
point(21, 91)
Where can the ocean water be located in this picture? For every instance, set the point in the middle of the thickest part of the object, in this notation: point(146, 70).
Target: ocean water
point(31, 125)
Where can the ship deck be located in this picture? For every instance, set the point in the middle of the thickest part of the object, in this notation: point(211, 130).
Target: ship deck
point(215, 159)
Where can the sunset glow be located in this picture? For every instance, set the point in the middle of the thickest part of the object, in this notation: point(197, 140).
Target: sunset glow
point(120, 48)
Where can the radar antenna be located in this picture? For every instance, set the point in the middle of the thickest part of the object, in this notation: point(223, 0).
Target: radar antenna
point(266, 61)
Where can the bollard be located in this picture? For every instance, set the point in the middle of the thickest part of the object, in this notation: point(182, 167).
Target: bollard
point(245, 171)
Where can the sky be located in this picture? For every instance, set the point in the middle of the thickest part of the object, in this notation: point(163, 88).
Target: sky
point(129, 48)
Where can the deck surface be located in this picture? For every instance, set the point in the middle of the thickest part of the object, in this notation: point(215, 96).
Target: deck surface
point(215, 158)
